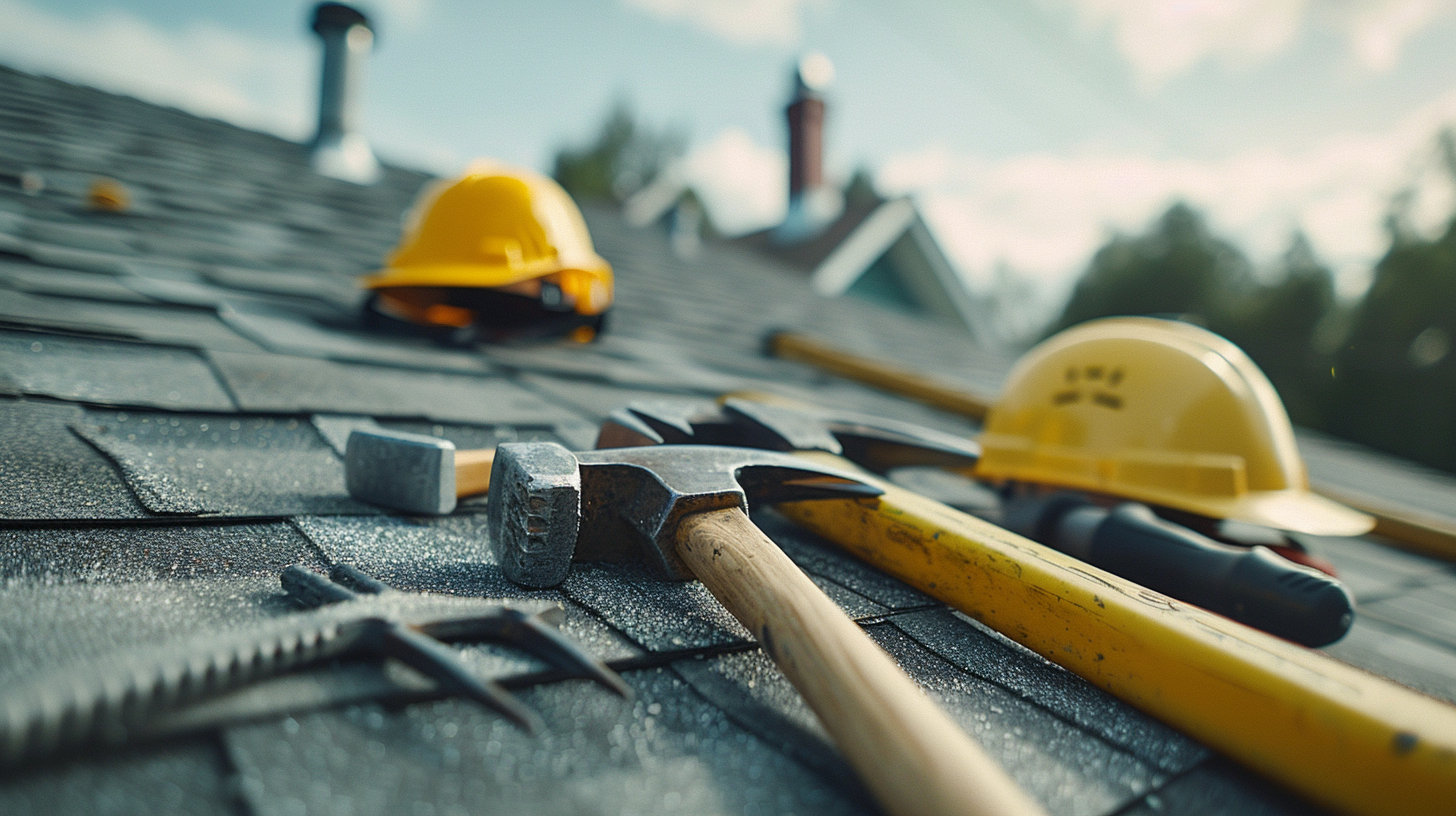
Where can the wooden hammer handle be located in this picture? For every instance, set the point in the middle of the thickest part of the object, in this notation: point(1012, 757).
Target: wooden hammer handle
point(910, 755)
point(472, 471)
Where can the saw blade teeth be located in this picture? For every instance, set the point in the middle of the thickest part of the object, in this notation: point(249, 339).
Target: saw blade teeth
point(115, 700)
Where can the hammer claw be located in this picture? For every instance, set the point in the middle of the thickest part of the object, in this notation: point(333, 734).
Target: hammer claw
point(776, 485)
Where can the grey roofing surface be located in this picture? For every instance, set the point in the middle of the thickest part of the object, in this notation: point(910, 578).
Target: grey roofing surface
point(175, 385)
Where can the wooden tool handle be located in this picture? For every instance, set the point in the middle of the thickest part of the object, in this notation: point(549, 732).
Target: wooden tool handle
point(907, 751)
point(884, 376)
point(472, 471)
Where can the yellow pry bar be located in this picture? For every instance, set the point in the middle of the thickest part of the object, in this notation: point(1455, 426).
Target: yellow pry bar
point(1350, 740)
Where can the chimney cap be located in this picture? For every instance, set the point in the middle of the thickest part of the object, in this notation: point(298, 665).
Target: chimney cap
point(337, 17)
point(814, 73)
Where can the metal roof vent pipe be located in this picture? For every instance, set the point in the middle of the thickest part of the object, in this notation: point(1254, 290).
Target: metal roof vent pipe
point(813, 204)
point(339, 149)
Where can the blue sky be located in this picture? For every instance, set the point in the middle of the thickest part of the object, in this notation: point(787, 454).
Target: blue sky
point(1027, 129)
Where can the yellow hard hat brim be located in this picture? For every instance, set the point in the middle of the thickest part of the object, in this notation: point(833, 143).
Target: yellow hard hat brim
point(462, 276)
point(471, 276)
point(1296, 511)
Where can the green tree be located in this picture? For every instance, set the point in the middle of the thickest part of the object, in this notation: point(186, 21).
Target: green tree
point(1177, 268)
point(1277, 324)
point(1394, 377)
point(860, 191)
point(624, 156)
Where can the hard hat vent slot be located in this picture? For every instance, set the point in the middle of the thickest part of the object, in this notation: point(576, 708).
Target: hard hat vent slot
point(1096, 376)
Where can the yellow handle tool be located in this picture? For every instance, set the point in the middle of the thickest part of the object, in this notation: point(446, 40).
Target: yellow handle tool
point(1350, 740)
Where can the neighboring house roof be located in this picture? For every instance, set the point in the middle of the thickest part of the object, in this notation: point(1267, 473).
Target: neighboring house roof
point(892, 250)
point(176, 384)
point(881, 251)
point(806, 255)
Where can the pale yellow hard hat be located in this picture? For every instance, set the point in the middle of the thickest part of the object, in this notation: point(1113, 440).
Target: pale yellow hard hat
point(1161, 412)
point(502, 228)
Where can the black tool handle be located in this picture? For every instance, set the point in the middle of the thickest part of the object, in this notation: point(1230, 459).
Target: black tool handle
point(1253, 586)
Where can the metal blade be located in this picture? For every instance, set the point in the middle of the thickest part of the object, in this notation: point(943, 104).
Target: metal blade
point(311, 590)
point(433, 659)
point(351, 577)
point(114, 699)
point(536, 635)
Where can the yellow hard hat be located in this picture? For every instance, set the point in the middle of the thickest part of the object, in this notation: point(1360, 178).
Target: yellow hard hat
point(1161, 412)
point(506, 229)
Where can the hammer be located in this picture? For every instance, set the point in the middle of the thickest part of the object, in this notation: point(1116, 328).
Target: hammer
point(683, 509)
point(413, 472)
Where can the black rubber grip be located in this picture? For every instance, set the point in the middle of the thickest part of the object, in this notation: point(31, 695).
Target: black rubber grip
point(1253, 586)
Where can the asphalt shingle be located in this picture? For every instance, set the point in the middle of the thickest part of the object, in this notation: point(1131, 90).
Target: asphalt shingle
point(90, 371)
point(222, 464)
point(284, 384)
point(48, 472)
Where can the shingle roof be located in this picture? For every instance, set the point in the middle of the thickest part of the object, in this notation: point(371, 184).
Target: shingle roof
point(175, 385)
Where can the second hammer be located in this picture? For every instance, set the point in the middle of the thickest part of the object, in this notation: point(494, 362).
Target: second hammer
point(412, 472)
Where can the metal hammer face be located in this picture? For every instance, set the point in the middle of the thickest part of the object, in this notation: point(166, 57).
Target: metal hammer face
point(403, 471)
point(873, 443)
point(548, 505)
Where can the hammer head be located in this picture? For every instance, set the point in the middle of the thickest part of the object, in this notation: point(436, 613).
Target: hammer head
point(874, 443)
point(403, 471)
point(548, 505)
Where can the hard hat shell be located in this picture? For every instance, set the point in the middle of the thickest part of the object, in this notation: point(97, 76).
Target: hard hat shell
point(1161, 412)
point(496, 227)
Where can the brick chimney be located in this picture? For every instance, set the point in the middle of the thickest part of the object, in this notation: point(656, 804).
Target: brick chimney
point(339, 148)
point(812, 203)
point(806, 136)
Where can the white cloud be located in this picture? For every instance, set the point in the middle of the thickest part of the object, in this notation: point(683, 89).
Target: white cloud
point(1378, 29)
point(202, 68)
point(1044, 215)
point(1162, 39)
point(743, 184)
point(742, 22)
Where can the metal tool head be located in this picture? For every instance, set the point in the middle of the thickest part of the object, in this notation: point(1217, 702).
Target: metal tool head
point(402, 471)
point(416, 640)
point(874, 443)
point(548, 505)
